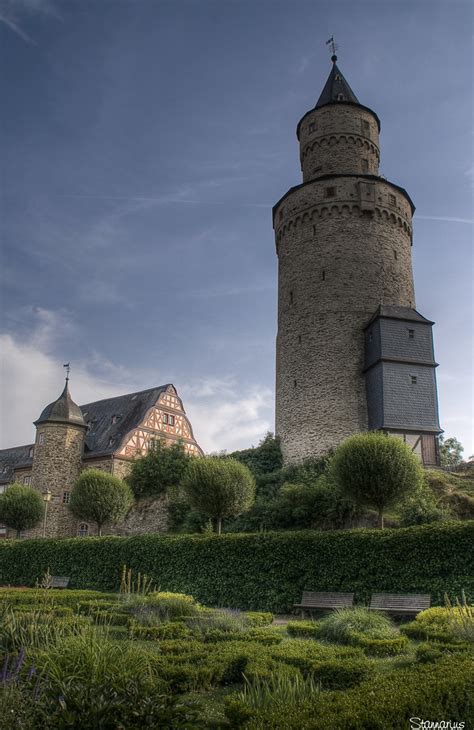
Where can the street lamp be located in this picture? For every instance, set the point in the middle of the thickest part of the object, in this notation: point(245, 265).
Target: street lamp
point(46, 498)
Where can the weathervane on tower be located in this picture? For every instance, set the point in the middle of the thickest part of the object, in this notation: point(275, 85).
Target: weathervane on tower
point(67, 365)
point(333, 45)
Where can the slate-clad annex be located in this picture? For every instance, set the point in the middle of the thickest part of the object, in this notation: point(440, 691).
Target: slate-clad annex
point(353, 354)
point(107, 434)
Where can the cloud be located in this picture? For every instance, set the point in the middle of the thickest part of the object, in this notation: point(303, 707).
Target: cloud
point(13, 13)
point(223, 414)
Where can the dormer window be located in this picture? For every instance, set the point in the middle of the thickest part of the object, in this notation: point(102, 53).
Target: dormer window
point(337, 77)
point(340, 97)
point(115, 419)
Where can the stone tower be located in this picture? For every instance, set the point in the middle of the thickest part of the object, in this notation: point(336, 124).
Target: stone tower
point(343, 240)
point(57, 460)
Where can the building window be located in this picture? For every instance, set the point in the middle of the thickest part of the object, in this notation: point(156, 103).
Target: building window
point(27, 480)
point(311, 127)
point(165, 418)
point(2, 488)
point(413, 379)
point(111, 441)
point(365, 165)
point(411, 334)
point(171, 420)
point(330, 192)
point(392, 200)
point(66, 497)
point(41, 438)
point(83, 530)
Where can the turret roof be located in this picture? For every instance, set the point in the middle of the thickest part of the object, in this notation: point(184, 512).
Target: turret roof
point(62, 410)
point(336, 89)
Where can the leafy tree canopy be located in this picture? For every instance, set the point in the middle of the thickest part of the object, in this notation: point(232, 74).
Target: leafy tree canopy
point(450, 451)
point(262, 459)
point(376, 470)
point(100, 497)
point(161, 468)
point(218, 487)
point(21, 507)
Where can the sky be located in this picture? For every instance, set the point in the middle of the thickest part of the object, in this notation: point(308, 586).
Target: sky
point(143, 144)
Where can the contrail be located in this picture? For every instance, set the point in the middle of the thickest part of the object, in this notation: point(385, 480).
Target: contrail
point(443, 218)
point(166, 200)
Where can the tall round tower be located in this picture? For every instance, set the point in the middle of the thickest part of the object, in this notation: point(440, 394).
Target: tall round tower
point(343, 240)
point(57, 461)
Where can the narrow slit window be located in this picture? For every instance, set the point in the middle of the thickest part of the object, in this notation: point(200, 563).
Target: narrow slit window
point(299, 339)
point(292, 299)
point(295, 383)
point(395, 254)
point(323, 275)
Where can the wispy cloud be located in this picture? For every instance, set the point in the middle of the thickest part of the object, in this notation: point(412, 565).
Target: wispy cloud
point(168, 199)
point(14, 13)
point(446, 218)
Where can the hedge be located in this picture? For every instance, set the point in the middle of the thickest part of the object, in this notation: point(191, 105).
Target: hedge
point(266, 571)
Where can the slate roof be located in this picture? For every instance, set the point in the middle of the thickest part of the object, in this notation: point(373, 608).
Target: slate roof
point(335, 86)
point(62, 410)
point(14, 458)
point(392, 311)
point(103, 435)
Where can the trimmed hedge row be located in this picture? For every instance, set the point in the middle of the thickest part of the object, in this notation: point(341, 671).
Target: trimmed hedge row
point(265, 571)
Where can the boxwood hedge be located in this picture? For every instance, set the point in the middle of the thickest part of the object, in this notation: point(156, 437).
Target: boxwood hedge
point(266, 571)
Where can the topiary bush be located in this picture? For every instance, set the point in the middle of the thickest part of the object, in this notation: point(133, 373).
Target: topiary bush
point(305, 629)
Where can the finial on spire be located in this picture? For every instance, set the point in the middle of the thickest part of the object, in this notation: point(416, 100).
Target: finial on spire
point(333, 45)
point(67, 365)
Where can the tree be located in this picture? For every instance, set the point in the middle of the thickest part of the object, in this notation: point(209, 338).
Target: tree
point(21, 507)
point(100, 497)
point(262, 459)
point(376, 470)
point(450, 451)
point(161, 468)
point(218, 487)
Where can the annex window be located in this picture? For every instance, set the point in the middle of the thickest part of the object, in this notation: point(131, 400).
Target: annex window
point(27, 480)
point(365, 165)
point(66, 497)
point(83, 530)
point(411, 334)
point(330, 192)
point(41, 438)
point(413, 379)
point(392, 200)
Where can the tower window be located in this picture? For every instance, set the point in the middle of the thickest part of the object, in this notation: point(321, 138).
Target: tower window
point(337, 77)
point(411, 334)
point(66, 497)
point(299, 339)
point(365, 126)
point(41, 438)
point(395, 254)
point(365, 165)
point(340, 97)
point(330, 192)
point(323, 275)
point(311, 127)
point(292, 299)
point(413, 379)
point(295, 383)
point(392, 200)
point(83, 530)
point(314, 230)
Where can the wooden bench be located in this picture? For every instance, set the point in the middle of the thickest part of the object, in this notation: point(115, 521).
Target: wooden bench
point(311, 601)
point(408, 604)
point(59, 581)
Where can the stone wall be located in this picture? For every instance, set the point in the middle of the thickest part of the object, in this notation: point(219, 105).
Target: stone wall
point(339, 138)
point(145, 516)
point(339, 258)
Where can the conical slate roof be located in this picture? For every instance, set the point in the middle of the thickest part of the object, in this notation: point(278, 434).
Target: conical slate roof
point(62, 410)
point(336, 89)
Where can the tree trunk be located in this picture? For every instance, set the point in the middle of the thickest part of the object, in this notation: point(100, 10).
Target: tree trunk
point(219, 525)
point(99, 530)
point(380, 521)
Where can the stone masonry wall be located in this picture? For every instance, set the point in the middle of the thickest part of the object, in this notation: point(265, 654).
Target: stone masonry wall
point(146, 516)
point(57, 463)
point(339, 258)
point(339, 138)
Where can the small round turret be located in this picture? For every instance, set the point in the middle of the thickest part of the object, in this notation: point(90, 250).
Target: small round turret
point(62, 410)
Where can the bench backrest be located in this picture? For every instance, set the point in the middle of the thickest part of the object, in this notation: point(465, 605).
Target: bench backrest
point(321, 600)
point(59, 581)
point(414, 601)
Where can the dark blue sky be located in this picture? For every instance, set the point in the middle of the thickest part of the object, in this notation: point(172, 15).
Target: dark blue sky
point(143, 144)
